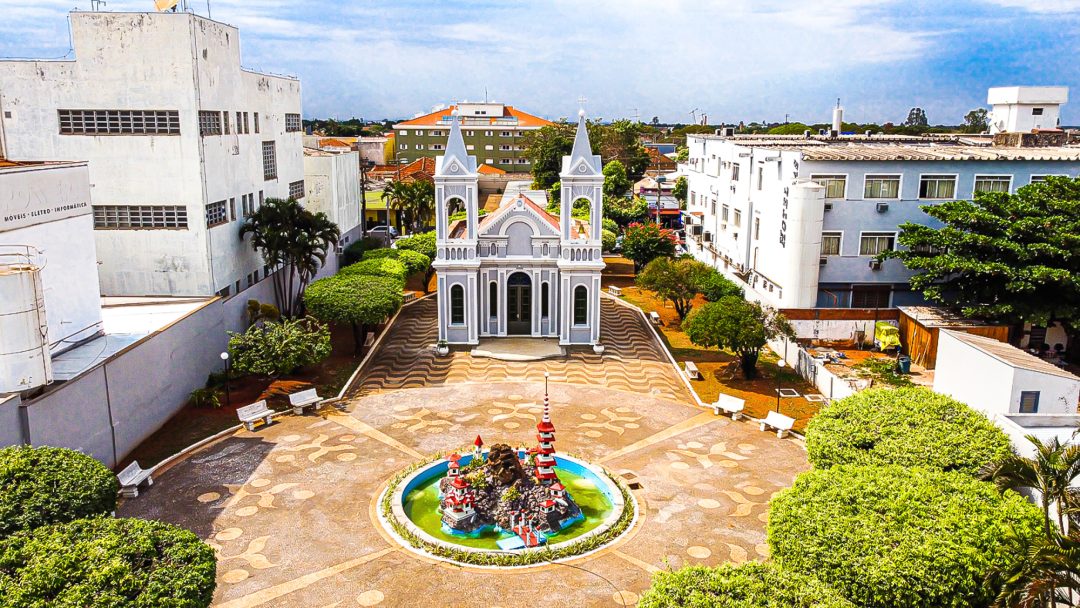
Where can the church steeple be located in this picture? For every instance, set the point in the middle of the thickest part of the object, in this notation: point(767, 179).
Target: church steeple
point(583, 149)
point(455, 160)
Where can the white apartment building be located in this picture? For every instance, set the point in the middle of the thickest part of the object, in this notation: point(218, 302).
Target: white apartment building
point(181, 142)
point(799, 220)
point(1025, 109)
point(332, 186)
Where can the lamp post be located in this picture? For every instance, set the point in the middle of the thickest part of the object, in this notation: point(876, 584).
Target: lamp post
point(228, 396)
point(779, 370)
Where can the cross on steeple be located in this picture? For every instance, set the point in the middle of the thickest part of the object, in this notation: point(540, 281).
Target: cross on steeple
point(582, 101)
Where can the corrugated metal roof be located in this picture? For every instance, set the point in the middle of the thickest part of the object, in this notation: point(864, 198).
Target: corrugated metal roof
point(1010, 355)
point(936, 152)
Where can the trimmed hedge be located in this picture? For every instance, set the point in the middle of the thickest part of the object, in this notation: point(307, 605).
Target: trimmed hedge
point(910, 426)
point(751, 585)
point(356, 299)
point(607, 240)
point(119, 563)
point(377, 267)
point(414, 261)
point(420, 243)
point(892, 536)
point(40, 486)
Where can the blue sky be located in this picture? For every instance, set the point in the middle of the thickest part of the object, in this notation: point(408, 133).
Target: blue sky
point(735, 59)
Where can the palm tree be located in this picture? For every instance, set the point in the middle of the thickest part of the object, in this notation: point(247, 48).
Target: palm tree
point(1048, 568)
point(413, 199)
point(289, 236)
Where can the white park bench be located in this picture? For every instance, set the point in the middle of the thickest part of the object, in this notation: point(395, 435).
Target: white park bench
point(692, 370)
point(303, 399)
point(131, 477)
point(654, 317)
point(778, 421)
point(249, 414)
point(729, 405)
point(408, 296)
point(615, 291)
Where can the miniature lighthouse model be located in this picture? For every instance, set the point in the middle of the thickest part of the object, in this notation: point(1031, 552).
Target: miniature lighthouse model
point(460, 502)
point(478, 448)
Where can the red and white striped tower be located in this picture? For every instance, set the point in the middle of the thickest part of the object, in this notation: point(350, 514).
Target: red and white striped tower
point(545, 449)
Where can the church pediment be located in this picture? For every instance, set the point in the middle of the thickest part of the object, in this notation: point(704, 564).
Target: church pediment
point(520, 210)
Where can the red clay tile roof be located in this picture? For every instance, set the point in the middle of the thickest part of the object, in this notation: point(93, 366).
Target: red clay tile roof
point(333, 143)
point(489, 170)
point(421, 168)
point(432, 119)
point(665, 161)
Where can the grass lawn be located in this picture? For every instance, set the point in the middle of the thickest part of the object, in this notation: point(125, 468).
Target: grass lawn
point(720, 372)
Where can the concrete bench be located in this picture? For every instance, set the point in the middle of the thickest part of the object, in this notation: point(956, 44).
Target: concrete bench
point(729, 405)
point(615, 291)
point(131, 477)
point(408, 296)
point(778, 421)
point(250, 414)
point(654, 317)
point(692, 370)
point(303, 399)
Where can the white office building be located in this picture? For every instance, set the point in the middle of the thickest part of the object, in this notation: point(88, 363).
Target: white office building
point(332, 186)
point(181, 141)
point(799, 220)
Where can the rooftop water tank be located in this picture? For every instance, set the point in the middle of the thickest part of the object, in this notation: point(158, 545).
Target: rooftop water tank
point(24, 341)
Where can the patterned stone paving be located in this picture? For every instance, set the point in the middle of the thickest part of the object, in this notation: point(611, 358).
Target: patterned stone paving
point(290, 508)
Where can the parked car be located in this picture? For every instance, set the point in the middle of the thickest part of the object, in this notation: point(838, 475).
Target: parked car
point(618, 244)
point(385, 233)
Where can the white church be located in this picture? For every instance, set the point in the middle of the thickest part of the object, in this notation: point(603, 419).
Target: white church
point(518, 271)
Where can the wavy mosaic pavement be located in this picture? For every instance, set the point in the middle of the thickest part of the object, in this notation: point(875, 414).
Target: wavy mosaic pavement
point(633, 361)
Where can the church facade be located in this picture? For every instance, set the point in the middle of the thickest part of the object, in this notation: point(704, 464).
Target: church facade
point(518, 271)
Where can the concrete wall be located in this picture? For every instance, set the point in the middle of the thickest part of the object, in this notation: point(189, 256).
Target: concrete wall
point(813, 371)
point(11, 428)
point(971, 376)
point(1057, 395)
point(332, 186)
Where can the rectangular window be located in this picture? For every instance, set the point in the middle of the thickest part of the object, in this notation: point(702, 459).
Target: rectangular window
point(209, 122)
point(724, 212)
point(256, 122)
point(470, 133)
point(470, 147)
point(937, 186)
point(992, 183)
point(835, 185)
point(419, 146)
point(119, 122)
point(760, 177)
point(505, 148)
point(506, 134)
point(488, 133)
point(1039, 179)
point(232, 209)
point(874, 243)
point(457, 304)
point(296, 189)
point(140, 217)
point(581, 305)
point(830, 243)
point(420, 133)
point(544, 300)
point(738, 218)
point(437, 147)
point(216, 214)
point(870, 296)
point(293, 124)
point(1029, 402)
point(269, 158)
point(239, 123)
point(225, 115)
point(757, 228)
point(247, 203)
point(735, 172)
point(1036, 111)
point(404, 132)
point(403, 146)
point(261, 198)
point(882, 186)
point(246, 125)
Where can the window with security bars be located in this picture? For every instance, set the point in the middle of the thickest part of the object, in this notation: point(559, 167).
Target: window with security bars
point(875, 243)
point(293, 123)
point(882, 186)
point(247, 204)
point(296, 189)
point(830, 243)
point(870, 296)
point(140, 217)
point(217, 213)
point(269, 157)
point(119, 122)
point(992, 183)
point(835, 185)
point(937, 186)
point(209, 122)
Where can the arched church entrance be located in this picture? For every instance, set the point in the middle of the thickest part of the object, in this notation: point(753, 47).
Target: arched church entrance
point(519, 304)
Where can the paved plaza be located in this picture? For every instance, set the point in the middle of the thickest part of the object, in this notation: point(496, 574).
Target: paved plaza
point(291, 508)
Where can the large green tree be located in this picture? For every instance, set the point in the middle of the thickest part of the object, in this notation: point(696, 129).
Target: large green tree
point(361, 301)
point(644, 242)
point(680, 191)
point(1011, 257)
point(675, 280)
point(413, 199)
point(625, 211)
point(615, 181)
point(617, 141)
point(424, 244)
point(976, 121)
point(737, 325)
point(292, 238)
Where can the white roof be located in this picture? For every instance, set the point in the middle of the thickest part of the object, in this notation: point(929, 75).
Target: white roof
point(1027, 95)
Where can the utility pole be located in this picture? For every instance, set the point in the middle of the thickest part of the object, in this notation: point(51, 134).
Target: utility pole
point(364, 167)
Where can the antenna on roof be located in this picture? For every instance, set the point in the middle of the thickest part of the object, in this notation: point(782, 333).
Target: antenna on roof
point(485, 95)
point(95, 5)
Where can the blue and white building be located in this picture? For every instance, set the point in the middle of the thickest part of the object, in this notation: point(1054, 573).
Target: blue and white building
point(798, 220)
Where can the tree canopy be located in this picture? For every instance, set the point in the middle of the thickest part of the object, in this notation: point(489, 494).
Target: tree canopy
point(413, 261)
point(716, 286)
point(423, 244)
point(907, 426)
point(891, 536)
point(358, 300)
point(916, 118)
point(287, 234)
point(378, 267)
point(615, 181)
point(279, 348)
point(625, 211)
point(748, 585)
point(414, 199)
point(1012, 257)
point(617, 141)
point(738, 325)
point(976, 121)
point(675, 280)
point(644, 242)
point(680, 191)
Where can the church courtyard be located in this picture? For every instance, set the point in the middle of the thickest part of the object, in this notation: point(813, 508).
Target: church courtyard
point(292, 508)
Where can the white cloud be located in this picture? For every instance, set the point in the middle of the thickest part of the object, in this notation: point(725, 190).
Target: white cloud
point(1041, 6)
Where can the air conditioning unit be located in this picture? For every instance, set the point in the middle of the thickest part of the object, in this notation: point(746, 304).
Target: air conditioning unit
point(875, 264)
point(823, 260)
point(882, 207)
point(723, 225)
point(696, 229)
point(828, 206)
point(707, 237)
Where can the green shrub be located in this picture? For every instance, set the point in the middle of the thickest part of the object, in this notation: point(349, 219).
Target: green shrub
point(607, 240)
point(205, 397)
point(911, 427)
point(276, 349)
point(890, 536)
point(420, 243)
point(414, 261)
point(377, 267)
point(45, 485)
point(355, 251)
point(460, 215)
point(118, 563)
point(751, 585)
point(610, 225)
point(359, 300)
point(715, 286)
